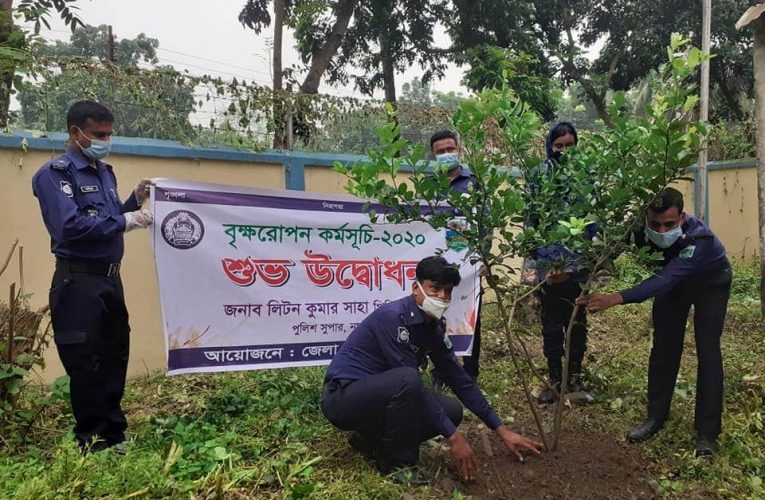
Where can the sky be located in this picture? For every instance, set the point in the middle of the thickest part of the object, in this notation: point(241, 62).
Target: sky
point(205, 37)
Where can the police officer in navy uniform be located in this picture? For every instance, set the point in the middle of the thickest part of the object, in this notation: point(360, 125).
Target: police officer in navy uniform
point(374, 389)
point(445, 147)
point(695, 272)
point(86, 220)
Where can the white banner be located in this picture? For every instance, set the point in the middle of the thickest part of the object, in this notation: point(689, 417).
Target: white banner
point(256, 278)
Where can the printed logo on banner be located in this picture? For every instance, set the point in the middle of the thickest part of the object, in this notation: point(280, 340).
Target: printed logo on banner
point(182, 229)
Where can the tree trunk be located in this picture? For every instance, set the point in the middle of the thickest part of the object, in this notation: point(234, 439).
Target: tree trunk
point(321, 57)
point(759, 91)
point(389, 76)
point(7, 68)
point(280, 120)
point(389, 80)
point(597, 100)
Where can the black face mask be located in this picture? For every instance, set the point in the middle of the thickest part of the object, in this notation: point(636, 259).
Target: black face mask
point(557, 155)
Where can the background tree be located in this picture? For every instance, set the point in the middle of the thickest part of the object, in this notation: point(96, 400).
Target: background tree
point(388, 37)
point(531, 79)
point(634, 34)
point(256, 16)
point(15, 42)
point(146, 103)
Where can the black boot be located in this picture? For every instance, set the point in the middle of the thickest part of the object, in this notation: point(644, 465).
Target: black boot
point(645, 431)
point(705, 447)
point(555, 372)
point(576, 393)
point(359, 443)
point(574, 383)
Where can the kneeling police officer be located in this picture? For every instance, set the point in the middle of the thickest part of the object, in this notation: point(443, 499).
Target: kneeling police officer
point(374, 389)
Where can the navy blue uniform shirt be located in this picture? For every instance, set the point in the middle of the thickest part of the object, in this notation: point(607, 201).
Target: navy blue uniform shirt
point(697, 251)
point(397, 335)
point(463, 181)
point(81, 209)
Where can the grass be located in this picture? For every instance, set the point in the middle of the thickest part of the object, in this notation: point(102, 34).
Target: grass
point(261, 434)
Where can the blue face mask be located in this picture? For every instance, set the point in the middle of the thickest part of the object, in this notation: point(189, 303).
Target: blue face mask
point(98, 149)
point(664, 240)
point(451, 160)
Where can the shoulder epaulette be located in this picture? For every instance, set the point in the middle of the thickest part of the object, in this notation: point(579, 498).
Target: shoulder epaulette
point(59, 164)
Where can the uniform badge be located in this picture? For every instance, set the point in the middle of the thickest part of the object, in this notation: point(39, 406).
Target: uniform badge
point(66, 188)
point(403, 335)
point(687, 252)
point(89, 189)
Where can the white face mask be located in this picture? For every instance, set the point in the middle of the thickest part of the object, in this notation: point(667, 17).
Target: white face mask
point(433, 306)
point(664, 240)
point(451, 160)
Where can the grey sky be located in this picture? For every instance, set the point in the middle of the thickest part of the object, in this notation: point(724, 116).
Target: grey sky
point(205, 37)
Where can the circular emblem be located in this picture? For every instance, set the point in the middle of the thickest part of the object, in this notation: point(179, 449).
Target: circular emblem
point(182, 229)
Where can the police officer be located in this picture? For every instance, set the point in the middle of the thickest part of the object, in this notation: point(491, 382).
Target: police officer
point(86, 220)
point(695, 272)
point(374, 389)
point(445, 148)
point(557, 268)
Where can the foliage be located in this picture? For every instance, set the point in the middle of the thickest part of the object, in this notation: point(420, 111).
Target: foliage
point(38, 11)
point(630, 37)
point(607, 183)
point(388, 37)
point(146, 103)
point(92, 42)
point(420, 94)
point(23, 343)
point(526, 75)
point(729, 140)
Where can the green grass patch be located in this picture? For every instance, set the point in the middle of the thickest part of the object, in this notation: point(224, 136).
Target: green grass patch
point(261, 434)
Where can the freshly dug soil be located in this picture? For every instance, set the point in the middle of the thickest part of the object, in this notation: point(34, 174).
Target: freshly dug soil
point(585, 465)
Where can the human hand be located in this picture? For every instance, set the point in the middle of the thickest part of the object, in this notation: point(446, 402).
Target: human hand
point(463, 456)
point(482, 270)
point(598, 302)
point(142, 190)
point(139, 219)
point(517, 443)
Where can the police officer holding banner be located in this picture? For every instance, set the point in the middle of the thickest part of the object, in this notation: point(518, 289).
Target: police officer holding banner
point(695, 272)
point(86, 220)
point(373, 388)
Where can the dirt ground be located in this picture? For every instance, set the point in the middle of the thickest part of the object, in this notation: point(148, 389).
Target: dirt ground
point(584, 466)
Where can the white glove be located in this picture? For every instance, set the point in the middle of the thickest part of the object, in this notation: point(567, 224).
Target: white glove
point(139, 219)
point(142, 190)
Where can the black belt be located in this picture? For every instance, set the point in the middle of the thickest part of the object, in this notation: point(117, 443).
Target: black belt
point(108, 269)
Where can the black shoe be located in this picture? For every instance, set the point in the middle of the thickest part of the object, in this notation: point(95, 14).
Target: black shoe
point(360, 444)
point(548, 396)
point(645, 431)
point(554, 375)
point(705, 447)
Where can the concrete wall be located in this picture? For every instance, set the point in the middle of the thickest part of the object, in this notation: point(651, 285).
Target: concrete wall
point(732, 212)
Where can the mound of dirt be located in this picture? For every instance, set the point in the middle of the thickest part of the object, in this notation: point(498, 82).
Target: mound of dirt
point(585, 465)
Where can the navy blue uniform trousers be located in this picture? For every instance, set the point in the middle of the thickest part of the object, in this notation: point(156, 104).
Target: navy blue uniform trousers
point(557, 305)
point(387, 410)
point(92, 335)
point(708, 293)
